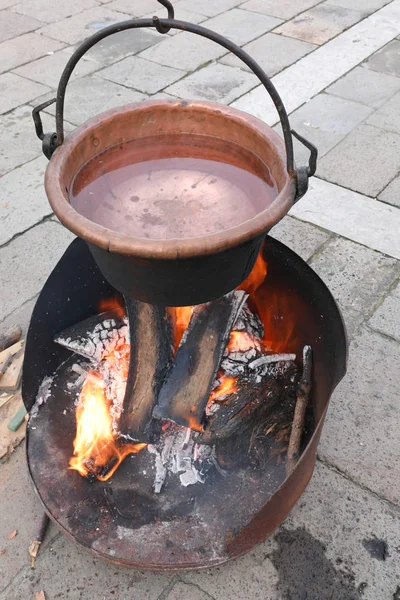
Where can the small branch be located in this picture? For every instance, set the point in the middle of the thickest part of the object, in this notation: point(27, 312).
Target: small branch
point(41, 532)
point(303, 392)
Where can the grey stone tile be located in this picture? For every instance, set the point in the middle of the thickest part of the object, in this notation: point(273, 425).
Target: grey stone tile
point(318, 554)
point(302, 238)
point(361, 433)
point(241, 26)
point(365, 161)
point(391, 193)
point(325, 121)
point(141, 74)
point(12, 24)
point(21, 315)
point(138, 8)
point(82, 25)
point(48, 69)
point(16, 90)
point(99, 95)
point(216, 82)
point(186, 51)
point(209, 8)
point(187, 591)
point(272, 52)
point(284, 9)
point(386, 60)
point(388, 115)
point(365, 5)
point(49, 11)
point(181, 15)
point(357, 277)
point(122, 44)
point(25, 48)
point(66, 571)
point(366, 86)
point(26, 262)
point(20, 510)
point(23, 199)
point(7, 3)
point(321, 23)
point(386, 318)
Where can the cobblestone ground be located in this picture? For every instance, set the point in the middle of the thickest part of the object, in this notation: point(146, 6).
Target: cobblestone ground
point(337, 66)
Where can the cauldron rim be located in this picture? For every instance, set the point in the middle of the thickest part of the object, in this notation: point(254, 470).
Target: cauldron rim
point(115, 242)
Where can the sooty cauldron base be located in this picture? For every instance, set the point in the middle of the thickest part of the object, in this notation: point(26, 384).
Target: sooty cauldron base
point(201, 525)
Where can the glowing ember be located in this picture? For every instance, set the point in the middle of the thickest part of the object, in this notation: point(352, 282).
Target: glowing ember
point(96, 450)
point(227, 386)
point(240, 341)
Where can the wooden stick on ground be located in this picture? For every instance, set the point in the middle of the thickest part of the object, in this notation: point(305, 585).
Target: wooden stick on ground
point(184, 395)
point(11, 336)
point(303, 392)
point(41, 532)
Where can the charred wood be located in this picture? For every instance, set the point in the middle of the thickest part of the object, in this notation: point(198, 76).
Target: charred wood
point(184, 395)
point(150, 360)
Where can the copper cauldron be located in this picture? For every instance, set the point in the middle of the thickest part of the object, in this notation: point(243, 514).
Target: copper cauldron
point(174, 272)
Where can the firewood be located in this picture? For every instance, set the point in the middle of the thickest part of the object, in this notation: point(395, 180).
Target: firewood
point(303, 393)
point(151, 355)
point(34, 547)
point(9, 439)
point(184, 395)
point(12, 377)
point(4, 365)
point(9, 338)
point(13, 350)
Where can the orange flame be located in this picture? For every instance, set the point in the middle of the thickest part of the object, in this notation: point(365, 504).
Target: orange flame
point(256, 277)
point(240, 341)
point(180, 316)
point(114, 303)
point(227, 386)
point(95, 446)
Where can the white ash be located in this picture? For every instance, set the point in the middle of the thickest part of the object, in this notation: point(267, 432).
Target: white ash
point(43, 394)
point(249, 322)
point(178, 453)
point(271, 358)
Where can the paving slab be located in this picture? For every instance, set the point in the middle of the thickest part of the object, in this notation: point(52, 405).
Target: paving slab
point(273, 53)
point(21, 316)
point(23, 199)
point(351, 215)
point(313, 73)
point(141, 74)
point(313, 556)
point(20, 510)
point(241, 26)
point(122, 44)
point(357, 277)
point(366, 86)
point(7, 3)
point(391, 193)
point(99, 95)
point(386, 318)
point(386, 60)
point(325, 121)
point(218, 83)
point(365, 5)
point(16, 90)
point(185, 50)
point(25, 48)
point(284, 9)
point(209, 8)
point(302, 238)
point(361, 434)
point(12, 24)
point(82, 25)
point(64, 571)
point(48, 69)
point(365, 161)
point(321, 23)
point(137, 8)
point(49, 11)
point(388, 115)
point(26, 262)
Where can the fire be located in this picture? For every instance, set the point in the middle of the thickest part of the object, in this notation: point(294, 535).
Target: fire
point(114, 303)
point(227, 386)
point(96, 450)
point(240, 341)
point(180, 316)
point(256, 277)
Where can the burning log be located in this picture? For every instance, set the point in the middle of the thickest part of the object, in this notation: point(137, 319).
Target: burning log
point(303, 392)
point(184, 396)
point(150, 359)
point(94, 337)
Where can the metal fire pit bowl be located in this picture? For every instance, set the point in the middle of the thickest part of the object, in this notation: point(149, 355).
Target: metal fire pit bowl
point(192, 527)
point(174, 272)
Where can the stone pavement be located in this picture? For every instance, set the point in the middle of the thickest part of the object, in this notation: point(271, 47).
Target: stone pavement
point(337, 66)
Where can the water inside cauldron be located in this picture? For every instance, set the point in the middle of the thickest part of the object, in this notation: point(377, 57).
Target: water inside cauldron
point(173, 187)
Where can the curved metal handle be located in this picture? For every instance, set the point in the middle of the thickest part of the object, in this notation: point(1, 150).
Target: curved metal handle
point(163, 26)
